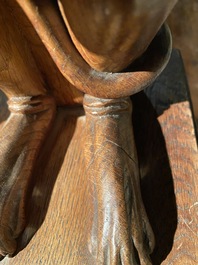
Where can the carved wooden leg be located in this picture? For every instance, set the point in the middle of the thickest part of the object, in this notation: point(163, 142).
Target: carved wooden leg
point(20, 141)
point(120, 220)
point(23, 133)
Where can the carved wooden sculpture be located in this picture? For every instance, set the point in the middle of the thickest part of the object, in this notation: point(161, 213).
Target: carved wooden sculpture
point(106, 38)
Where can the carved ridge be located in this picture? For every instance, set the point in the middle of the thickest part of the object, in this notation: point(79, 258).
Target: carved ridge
point(101, 107)
point(21, 139)
point(30, 104)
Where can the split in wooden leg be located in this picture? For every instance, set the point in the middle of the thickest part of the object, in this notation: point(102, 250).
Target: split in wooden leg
point(120, 221)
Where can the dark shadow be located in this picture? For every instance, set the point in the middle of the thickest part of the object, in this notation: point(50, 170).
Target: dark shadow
point(4, 112)
point(156, 178)
point(51, 157)
point(171, 87)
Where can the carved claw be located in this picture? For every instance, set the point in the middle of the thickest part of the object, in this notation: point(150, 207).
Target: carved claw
point(7, 242)
point(20, 139)
point(120, 221)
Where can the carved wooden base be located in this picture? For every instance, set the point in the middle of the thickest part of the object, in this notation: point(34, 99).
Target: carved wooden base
point(21, 139)
point(120, 221)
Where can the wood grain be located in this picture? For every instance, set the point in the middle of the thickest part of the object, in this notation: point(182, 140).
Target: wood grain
point(55, 84)
point(63, 143)
point(21, 138)
point(176, 120)
point(23, 132)
point(118, 32)
point(120, 222)
point(78, 72)
point(61, 209)
point(32, 110)
point(184, 32)
point(184, 169)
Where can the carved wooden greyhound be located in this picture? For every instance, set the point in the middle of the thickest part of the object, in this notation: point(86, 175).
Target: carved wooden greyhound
point(106, 37)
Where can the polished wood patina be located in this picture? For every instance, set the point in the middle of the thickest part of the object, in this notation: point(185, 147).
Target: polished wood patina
point(95, 54)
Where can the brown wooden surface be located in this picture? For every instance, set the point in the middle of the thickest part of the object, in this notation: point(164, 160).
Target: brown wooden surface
point(183, 22)
point(120, 229)
point(25, 84)
point(119, 32)
point(184, 174)
point(61, 210)
point(54, 83)
point(175, 118)
point(45, 17)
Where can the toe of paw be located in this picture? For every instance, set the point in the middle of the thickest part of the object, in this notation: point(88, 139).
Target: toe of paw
point(7, 243)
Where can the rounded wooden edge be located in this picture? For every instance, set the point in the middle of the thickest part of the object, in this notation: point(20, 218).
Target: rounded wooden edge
point(138, 75)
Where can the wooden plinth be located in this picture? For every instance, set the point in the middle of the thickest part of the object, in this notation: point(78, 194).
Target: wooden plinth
point(60, 210)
